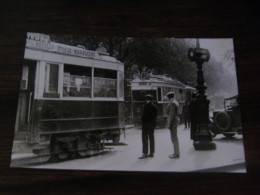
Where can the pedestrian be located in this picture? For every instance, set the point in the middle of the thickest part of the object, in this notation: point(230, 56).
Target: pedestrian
point(148, 126)
point(186, 115)
point(172, 110)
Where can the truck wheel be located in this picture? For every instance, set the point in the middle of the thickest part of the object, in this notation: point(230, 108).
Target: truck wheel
point(228, 135)
point(222, 121)
point(214, 135)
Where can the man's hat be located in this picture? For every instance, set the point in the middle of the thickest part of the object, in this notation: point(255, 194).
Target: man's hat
point(170, 94)
point(148, 97)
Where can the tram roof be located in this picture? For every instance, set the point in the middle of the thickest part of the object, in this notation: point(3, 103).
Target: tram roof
point(159, 79)
point(42, 42)
point(189, 87)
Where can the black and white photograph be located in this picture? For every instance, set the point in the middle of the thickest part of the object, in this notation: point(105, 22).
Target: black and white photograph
point(128, 104)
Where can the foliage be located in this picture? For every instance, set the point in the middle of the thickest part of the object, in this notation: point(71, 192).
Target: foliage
point(220, 78)
point(161, 56)
point(158, 55)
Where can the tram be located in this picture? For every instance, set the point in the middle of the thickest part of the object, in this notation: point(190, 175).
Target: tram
point(158, 86)
point(71, 99)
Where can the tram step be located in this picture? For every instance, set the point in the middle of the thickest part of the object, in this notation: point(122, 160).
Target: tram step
point(22, 147)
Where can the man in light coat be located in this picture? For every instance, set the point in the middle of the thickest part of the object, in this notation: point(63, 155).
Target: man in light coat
point(172, 110)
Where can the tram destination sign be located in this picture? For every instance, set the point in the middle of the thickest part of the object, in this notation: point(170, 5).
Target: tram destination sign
point(60, 48)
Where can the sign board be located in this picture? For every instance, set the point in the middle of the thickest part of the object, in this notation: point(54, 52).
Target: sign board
point(60, 48)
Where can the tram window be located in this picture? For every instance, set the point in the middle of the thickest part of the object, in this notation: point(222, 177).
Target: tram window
point(165, 91)
point(181, 95)
point(105, 84)
point(51, 80)
point(25, 74)
point(159, 94)
point(121, 85)
point(103, 73)
point(28, 75)
point(76, 81)
point(139, 95)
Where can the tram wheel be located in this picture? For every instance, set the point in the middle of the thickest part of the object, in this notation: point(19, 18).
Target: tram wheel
point(116, 139)
point(63, 155)
point(83, 153)
point(73, 154)
point(45, 158)
point(94, 152)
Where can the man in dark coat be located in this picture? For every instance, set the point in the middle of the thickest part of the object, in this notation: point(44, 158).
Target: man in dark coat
point(148, 126)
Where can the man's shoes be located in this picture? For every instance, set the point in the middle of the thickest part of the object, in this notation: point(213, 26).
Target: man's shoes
point(174, 156)
point(150, 155)
point(143, 156)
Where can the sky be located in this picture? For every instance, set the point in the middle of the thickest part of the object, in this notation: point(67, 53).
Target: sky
point(217, 47)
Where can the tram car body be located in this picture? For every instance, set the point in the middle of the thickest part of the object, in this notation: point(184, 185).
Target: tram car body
point(158, 86)
point(71, 99)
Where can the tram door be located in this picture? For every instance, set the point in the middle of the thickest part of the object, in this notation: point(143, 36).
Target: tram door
point(25, 99)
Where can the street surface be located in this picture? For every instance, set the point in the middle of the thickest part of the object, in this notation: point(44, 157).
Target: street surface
point(228, 157)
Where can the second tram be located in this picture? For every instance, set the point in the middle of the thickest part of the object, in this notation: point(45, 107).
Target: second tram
point(158, 86)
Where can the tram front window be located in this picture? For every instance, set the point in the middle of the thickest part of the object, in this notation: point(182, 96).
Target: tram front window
point(76, 81)
point(51, 80)
point(139, 95)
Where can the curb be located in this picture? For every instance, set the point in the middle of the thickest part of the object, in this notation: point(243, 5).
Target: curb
point(129, 126)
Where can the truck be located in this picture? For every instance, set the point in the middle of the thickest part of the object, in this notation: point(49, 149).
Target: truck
point(228, 120)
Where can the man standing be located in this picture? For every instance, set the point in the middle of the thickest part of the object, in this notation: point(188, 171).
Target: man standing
point(186, 115)
point(148, 126)
point(172, 110)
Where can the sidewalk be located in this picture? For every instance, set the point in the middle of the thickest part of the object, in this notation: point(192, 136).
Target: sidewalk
point(129, 126)
point(228, 156)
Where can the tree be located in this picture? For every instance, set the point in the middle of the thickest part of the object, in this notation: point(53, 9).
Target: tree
point(162, 55)
point(221, 80)
point(159, 55)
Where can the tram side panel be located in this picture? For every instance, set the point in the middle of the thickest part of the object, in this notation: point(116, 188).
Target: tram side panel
point(54, 125)
point(73, 119)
